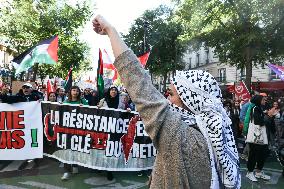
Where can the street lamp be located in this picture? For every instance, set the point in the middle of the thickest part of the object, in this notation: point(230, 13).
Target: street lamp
point(145, 26)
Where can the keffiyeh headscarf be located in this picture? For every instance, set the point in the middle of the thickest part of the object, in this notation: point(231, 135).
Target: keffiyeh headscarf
point(200, 92)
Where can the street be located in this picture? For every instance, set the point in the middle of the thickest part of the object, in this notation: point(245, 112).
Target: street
point(22, 175)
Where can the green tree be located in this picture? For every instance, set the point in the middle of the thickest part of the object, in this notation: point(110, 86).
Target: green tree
point(162, 34)
point(26, 22)
point(244, 33)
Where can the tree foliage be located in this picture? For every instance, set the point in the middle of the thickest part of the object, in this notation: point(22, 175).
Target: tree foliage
point(26, 22)
point(162, 34)
point(243, 33)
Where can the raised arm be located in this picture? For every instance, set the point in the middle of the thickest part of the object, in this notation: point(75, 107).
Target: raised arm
point(101, 26)
point(150, 103)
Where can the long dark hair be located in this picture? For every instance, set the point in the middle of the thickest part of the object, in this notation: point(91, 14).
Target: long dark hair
point(50, 94)
point(112, 102)
point(69, 94)
point(256, 99)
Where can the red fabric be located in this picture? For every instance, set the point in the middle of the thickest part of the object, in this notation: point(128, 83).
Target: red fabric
point(69, 72)
point(55, 84)
point(49, 87)
point(144, 58)
point(111, 67)
point(242, 92)
point(101, 68)
point(231, 88)
point(127, 139)
point(277, 85)
point(53, 49)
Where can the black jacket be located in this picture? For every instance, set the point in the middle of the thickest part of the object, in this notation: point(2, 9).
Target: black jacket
point(34, 96)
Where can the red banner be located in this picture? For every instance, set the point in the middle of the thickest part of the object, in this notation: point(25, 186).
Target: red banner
point(242, 92)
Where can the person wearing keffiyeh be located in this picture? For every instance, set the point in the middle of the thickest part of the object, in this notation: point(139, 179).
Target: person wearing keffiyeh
point(193, 137)
point(201, 95)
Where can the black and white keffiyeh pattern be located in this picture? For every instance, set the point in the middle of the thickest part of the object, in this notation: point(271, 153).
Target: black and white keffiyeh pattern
point(200, 92)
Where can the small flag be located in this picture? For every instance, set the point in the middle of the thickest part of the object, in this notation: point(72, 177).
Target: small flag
point(100, 74)
point(43, 53)
point(231, 88)
point(108, 64)
point(49, 87)
point(55, 83)
point(144, 58)
point(68, 82)
point(242, 92)
point(279, 70)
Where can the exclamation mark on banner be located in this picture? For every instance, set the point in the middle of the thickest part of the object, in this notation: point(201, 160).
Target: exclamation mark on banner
point(34, 137)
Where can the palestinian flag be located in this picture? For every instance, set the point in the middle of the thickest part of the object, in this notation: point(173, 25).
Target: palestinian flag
point(68, 81)
point(100, 76)
point(43, 53)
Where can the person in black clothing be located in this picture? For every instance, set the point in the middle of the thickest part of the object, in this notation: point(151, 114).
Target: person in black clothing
point(235, 117)
point(27, 94)
point(60, 95)
point(257, 152)
point(88, 95)
point(95, 98)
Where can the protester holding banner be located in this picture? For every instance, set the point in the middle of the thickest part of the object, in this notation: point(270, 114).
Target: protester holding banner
point(4, 91)
point(51, 97)
point(74, 97)
point(60, 95)
point(126, 102)
point(27, 94)
point(185, 135)
point(111, 99)
point(95, 98)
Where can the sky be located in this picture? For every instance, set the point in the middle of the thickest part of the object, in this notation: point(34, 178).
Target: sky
point(121, 14)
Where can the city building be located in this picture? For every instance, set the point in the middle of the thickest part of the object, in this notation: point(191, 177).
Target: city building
point(205, 59)
point(6, 55)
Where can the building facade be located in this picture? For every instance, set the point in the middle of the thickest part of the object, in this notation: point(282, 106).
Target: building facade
point(205, 59)
point(6, 55)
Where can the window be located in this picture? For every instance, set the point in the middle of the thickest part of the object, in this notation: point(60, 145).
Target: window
point(222, 75)
point(197, 59)
point(242, 74)
point(189, 65)
point(207, 55)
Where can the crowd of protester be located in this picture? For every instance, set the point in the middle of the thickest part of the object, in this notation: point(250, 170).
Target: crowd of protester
point(270, 114)
point(113, 98)
point(265, 111)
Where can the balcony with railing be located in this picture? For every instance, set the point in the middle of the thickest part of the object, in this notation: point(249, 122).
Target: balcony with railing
point(221, 79)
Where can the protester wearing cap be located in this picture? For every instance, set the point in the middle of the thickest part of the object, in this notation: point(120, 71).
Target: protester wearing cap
point(27, 89)
point(26, 94)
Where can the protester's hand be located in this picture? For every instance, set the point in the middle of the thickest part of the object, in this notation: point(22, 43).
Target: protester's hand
point(271, 112)
point(128, 110)
point(5, 89)
point(101, 26)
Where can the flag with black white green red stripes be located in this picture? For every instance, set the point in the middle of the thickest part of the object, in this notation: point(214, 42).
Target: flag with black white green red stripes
point(45, 52)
